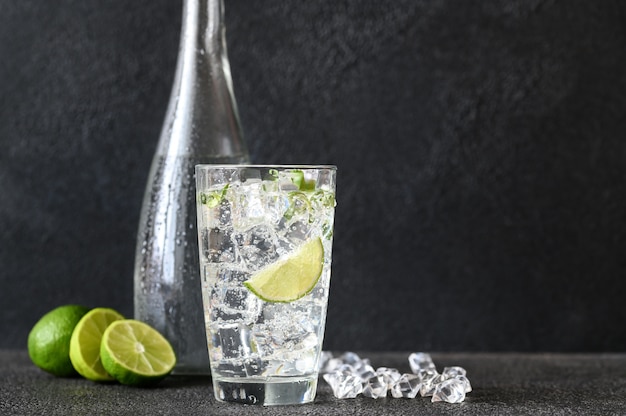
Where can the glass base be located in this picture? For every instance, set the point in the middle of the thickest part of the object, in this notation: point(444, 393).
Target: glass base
point(266, 392)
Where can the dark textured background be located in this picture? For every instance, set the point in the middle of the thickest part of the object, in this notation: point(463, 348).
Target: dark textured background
point(481, 152)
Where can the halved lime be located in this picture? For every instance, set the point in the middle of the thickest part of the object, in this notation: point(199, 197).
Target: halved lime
point(292, 277)
point(135, 353)
point(85, 343)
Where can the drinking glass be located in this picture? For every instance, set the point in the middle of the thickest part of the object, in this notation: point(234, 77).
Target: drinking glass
point(265, 236)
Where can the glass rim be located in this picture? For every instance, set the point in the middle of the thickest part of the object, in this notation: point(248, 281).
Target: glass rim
point(256, 166)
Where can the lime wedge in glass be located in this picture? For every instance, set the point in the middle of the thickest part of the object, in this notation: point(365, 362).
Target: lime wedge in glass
point(136, 354)
point(290, 277)
point(85, 343)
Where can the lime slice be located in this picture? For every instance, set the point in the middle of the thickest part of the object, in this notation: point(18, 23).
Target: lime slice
point(49, 339)
point(292, 277)
point(135, 353)
point(85, 343)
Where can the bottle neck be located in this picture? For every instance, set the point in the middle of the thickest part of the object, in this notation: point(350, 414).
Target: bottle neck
point(203, 26)
point(202, 119)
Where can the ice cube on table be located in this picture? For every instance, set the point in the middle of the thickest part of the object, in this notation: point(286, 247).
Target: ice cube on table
point(390, 375)
point(466, 383)
point(349, 371)
point(449, 372)
point(429, 380)
point(450, 391)
point(350, 357)
point(421, 361)
point(365, 371)
point(408, 385)
point(344, 384)
point(331, 365)
point(375, 387)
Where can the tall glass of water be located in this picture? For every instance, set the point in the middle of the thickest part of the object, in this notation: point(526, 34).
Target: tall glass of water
point(265, 237)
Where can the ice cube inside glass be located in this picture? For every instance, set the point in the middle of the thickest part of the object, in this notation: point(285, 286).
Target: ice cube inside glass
point(265, 242)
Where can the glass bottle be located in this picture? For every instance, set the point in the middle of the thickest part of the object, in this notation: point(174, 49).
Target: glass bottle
point(201, 126)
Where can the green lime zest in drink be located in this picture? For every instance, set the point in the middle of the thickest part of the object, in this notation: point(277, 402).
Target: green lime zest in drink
point(324, 198)
point(272, 174)
point(303, 184)
point(292, 277)
point(299, 204)
point(213, 199)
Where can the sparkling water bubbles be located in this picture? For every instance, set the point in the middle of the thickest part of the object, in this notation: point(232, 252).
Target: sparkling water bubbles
point(257, 246)
point(217, 246)
point(229, 341)
point(233, 304)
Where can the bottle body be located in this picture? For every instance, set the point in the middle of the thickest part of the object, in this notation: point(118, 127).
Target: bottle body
point(201, 126)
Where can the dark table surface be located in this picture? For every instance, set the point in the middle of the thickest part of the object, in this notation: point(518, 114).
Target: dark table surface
point(504, 384)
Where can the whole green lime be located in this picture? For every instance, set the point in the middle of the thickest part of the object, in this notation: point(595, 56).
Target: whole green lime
point(49, 340)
